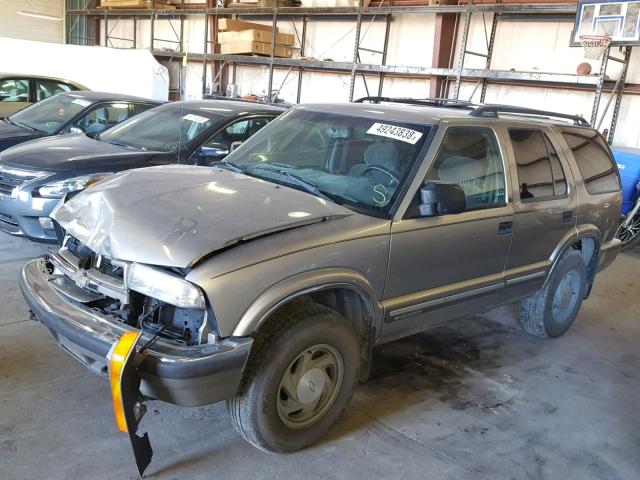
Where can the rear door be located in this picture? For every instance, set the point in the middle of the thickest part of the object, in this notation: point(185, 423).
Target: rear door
point(545, 205)
point(446, 266)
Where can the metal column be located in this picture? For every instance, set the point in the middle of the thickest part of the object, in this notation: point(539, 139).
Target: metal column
point(356, 51)
point(303, 40)
point(461, 55)
point(492, 39)
point(385, 48)
point(274, 29)
point(616, 107)
point(599, 86)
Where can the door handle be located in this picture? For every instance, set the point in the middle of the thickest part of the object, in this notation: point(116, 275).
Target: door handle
point(505, 228)
point(568, 216)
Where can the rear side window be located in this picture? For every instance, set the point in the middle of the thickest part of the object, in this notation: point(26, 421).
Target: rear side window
point(540, 174)
point(594, 160)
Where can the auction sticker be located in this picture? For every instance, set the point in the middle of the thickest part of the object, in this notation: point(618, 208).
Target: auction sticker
point(195, 118)
point(82, 102)
point(397, 133)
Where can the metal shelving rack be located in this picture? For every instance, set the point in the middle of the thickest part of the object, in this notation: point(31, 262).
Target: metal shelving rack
point(453, 76)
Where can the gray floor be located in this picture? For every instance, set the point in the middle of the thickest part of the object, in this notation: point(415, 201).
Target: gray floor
point(475, 399)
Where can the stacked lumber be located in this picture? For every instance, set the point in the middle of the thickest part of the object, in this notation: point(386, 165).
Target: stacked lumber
point(246, 38)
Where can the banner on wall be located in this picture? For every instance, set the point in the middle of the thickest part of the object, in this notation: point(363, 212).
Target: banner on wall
point(101, 69)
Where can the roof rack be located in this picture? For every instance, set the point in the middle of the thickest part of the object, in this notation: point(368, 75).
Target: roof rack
point(493, 110)
point(427, 102)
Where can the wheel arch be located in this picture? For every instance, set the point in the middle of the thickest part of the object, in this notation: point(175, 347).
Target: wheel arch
point(585, 238)
point(346, 291)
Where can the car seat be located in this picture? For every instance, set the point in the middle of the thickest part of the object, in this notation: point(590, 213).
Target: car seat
point(380, 154)
point(101, 123)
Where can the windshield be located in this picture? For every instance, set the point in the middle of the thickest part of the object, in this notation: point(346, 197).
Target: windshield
point(169, 128)
point(51, 114)
point(354, 161)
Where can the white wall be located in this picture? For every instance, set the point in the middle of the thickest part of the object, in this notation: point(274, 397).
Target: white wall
point(536, 46)
point(29, 28)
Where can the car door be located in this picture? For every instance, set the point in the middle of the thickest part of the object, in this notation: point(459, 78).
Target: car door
point(445, 266)
point(545, 206)
point(14, 95)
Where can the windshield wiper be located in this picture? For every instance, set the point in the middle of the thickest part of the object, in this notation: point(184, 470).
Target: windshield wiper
point(118, 144)
point(228, 165)
point(307, 185)
point(20, 124)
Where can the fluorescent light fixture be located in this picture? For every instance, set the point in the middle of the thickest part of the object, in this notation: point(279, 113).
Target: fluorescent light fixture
point(42, 16)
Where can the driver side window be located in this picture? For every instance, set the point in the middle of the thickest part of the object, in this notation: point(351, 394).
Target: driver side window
point(470, 157)
point(103, 117)
point(237, 132)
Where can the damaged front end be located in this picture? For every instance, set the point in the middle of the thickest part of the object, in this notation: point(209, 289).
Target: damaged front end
point(157, 301)
point(152, 332)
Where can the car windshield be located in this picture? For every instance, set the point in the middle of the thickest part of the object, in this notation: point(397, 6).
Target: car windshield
point(169, 128)
point(359, 162)
point(51, 114)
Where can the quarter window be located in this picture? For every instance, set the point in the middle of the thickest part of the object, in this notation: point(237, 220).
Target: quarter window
point(540, 174)
point(470, 157)
point(594, 160)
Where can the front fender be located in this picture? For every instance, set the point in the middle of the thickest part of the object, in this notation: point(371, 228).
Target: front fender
point(303, 284)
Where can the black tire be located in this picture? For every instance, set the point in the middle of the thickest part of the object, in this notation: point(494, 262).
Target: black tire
point(254, 409)
point(537, 312)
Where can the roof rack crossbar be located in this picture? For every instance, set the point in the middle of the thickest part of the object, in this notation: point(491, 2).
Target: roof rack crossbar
point(493, 110)
point(430, 102)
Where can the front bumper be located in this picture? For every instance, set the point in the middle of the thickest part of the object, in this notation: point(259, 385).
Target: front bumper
point(180, 375)
point(608, 253)
point(20, 216)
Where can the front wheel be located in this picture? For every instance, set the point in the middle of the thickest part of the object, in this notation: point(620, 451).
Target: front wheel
point(629, 234)
point(298, 380)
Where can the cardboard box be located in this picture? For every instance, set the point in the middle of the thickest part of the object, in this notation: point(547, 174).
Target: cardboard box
point(255, 48)
point(228, 25)
point(263, 36)
point(164, 5)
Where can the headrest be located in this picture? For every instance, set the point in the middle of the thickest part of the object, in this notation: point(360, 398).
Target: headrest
point(383, 155)
point(455, 168)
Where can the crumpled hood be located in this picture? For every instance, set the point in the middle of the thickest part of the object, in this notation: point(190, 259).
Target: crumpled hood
point(175, 215)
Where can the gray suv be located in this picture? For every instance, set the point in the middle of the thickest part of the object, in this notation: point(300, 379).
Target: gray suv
point(266, 281)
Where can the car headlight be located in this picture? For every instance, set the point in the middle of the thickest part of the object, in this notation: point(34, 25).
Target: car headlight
point(60, 188)
point(164, 286)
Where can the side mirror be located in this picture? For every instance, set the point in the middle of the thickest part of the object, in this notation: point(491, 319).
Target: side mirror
point(76, 129)
point(234, 145)
point(441, 199)
point(207, 155)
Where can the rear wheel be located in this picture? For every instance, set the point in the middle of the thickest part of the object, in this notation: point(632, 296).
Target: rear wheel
point(553, 309)
point(298, 380)
point(629, 234)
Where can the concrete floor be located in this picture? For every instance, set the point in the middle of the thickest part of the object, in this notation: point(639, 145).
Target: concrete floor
point(476, 399)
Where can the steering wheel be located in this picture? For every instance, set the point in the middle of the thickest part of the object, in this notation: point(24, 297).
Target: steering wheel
point(384, 170)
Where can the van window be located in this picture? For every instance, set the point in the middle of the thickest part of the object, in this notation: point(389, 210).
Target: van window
point(594, 160)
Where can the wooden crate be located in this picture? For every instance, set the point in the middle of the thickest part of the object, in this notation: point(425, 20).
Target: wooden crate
point(254, 48)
